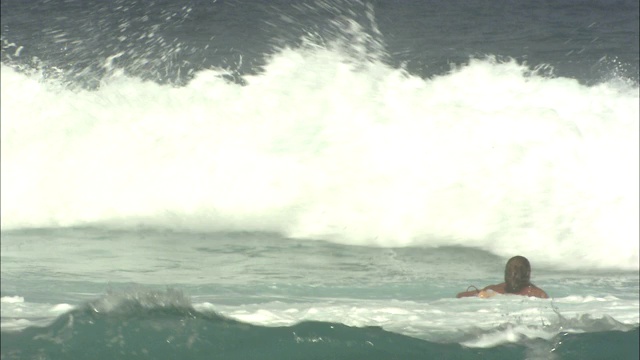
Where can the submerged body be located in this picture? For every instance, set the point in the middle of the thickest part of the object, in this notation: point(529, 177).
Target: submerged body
point(492, 290)
point(516, 281)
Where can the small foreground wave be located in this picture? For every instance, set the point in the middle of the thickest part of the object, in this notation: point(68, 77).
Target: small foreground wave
point(158, 325)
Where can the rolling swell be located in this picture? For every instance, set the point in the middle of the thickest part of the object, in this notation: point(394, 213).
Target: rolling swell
point(154, 326)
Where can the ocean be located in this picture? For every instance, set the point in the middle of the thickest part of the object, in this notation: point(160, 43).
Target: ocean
point(318, 179)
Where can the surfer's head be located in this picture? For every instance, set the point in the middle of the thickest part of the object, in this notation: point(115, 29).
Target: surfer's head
point(516, 274)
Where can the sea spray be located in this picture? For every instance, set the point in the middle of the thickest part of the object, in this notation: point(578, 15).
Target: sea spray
point(491, 155)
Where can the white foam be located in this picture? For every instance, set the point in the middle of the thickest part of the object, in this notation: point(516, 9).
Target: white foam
point(61, 308)
point(18, 314)
point(317, 146)
point(511, 334)
point(473, 322)
point(12, 299)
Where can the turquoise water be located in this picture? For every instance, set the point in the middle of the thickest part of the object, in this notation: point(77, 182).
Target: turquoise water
point(156, 294)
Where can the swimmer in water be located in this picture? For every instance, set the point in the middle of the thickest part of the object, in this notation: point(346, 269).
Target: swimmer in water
point(516, 281)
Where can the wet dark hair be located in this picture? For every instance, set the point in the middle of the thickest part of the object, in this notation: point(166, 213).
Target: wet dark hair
point(516, 274)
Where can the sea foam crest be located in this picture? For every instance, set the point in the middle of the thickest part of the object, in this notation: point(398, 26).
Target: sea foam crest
point(490, 155)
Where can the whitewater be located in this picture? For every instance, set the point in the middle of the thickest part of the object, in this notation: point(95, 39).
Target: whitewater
point(491, 155)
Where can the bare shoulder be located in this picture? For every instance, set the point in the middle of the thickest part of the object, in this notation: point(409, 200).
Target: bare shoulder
point(537, 292)
point(492, 290)
point(499, 288)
